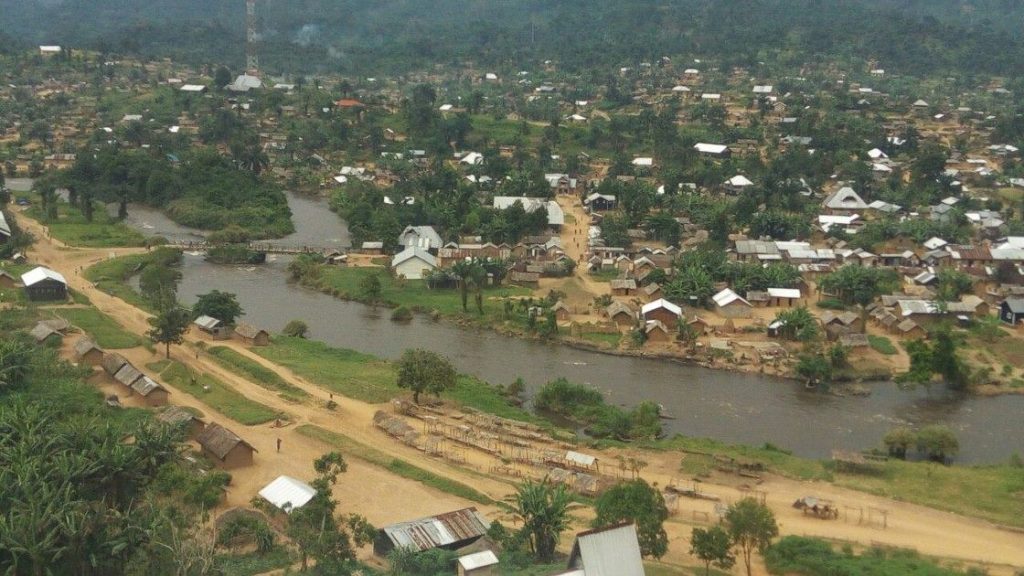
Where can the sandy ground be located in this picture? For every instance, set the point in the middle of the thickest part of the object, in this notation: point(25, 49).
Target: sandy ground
point(383, 497)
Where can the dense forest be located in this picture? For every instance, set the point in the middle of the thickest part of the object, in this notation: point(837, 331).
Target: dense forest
point(915, 37)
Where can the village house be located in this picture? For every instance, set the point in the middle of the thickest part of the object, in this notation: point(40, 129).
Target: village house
point(729, 304)
point(609, 551)
point(224, 447)
point(87, 352)
point(112, 362)
point(662, 310)
point(287, 494)
point(621, 314)
point(44, 284)
point(424, 237)
point(177, 416)
point(448, 531)
point(150, 390)
point(561, 311)
point(413, 263)
point(252, 335)
point(7, 281)
point(656, 331)
point(622, 286)
point(783, 297)
point(43, 332)
point(651, 292)
point(556, 217)
point(5, 228)
point(844, 201)
point(1011, 311)
point(484, 563)
point(212, 327)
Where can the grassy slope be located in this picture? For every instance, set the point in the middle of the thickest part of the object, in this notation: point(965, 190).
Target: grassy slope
point(111, 276)
point(256, 373)
point(72, 229)
point(102, 328)
point(219, 396)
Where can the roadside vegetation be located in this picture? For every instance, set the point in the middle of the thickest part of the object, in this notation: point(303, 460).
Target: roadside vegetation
point(107, 333)
point(257, 373)
point(218, 395)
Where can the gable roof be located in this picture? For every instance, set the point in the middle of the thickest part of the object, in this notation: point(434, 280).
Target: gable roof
point(287, 493)
point(40, 273)
point(616, 308)
point(127, 375)
point(438, 531)
point(42, 332)
point(661, 303)
point(556, 217)
point(145, 386)
point(112, 362)
point(207, 322)
point(726, 297)
point(845, 199)
point(422, 236)
point(176, 416)
point(414, 252)
point(246, 330)
point(611, 551)
point(84, 346)
point(219, 441)
point(1016, 305)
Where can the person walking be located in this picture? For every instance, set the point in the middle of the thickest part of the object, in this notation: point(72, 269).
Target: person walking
point(278, 444)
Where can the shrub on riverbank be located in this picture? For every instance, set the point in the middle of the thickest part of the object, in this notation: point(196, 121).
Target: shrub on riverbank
point(111, 276)
point(812, 556)
point(234, 254)
point(587, 406)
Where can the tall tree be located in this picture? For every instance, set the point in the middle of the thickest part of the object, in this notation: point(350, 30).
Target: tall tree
point(169, 327)
point(223, 306)
point(751, 526)
point(425, 371)
point(638, 502)
point(712, 546)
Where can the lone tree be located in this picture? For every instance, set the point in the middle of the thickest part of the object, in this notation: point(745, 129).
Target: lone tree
point(424, 371)
point(169, 327)
point(898, 440)
point(544, 511)
point(371, 288)
point(751, 526)
point(636, 501)
point(712, 546)
point(937, 442)
point(223, 306)
point(296, 329)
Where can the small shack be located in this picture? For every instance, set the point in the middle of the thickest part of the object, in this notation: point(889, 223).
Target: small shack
point(478, 564)
point(1011, 311)
point(87, 352)
point(42, 333)
point(287, 493)
point(43, 284)
point(252, 335)
point(561, 311)
point(450, 531)
point(621, 314)
point(656, 331)
point(127, 375)
point(112, 362)
point(150, 390)
point(176, 416)
point(225, 447)
point(580, 461)
point(7, 281)
point(212, 327)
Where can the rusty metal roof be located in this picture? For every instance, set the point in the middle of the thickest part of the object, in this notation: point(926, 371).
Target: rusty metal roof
point(444, 530)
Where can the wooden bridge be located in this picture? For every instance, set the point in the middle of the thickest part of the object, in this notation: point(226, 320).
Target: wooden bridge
point(265, 247)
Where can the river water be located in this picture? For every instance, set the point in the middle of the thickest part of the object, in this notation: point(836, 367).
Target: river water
point(731, 407)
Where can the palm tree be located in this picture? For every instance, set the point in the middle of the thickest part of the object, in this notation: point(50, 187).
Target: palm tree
point(544, 510)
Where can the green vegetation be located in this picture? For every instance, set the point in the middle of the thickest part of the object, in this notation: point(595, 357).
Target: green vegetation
point(413, 294)
point(255, 372)
point(218, 395)
point(253, 562)
point(811, 557)
point(882, 345)
point(400, 467)
point(234, 254)
point(587, 406)
point(602, 339)
point(344, 372)
point(111, 276)
point(102, 231)
point(107, 333)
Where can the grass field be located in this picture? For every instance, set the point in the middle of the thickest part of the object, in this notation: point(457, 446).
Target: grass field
point(107, 333)
point(219, 396)
point(355, 449)
point(256, 373)
point(882, 344)
point(609, 340)
point(414, 294)
point(371, 379)
point(72, 228)
point(344, 372)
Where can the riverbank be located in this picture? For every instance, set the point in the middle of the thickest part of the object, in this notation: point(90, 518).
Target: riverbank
point(383, 497)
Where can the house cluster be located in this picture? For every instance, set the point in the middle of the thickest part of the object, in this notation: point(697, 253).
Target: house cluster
point(242, 331)
point(133, 381)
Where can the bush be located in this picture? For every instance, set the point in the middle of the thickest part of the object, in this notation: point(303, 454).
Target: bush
point(401, 314)
point(247, 529)
point(882, 345)
point(831, 304)
point(587, 406)
point(296, 329)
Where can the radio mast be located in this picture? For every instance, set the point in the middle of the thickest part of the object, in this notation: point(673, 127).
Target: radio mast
point(252, 61)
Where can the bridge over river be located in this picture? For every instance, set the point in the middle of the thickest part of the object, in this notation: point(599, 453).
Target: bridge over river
point(265, 247)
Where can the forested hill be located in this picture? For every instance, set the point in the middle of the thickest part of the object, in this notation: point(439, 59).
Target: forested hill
point(368, 36)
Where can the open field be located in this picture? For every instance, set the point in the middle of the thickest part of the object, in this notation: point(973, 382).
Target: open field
point(234, 361)
point(107, 333)
point(218, 395)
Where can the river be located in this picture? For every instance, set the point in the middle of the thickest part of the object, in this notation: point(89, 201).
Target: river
point(727, 406)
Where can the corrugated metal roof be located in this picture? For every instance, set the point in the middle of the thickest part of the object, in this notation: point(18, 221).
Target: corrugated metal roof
point(207, 322)
point(437, 531)
point(478, 560)
point(36, 275)
point(145, 386)
point(580, 458)
point(613, 551)
point(287, 493)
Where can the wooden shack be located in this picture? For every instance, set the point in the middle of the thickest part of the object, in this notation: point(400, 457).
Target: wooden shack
point(87, 352)
point(252, 335)
point(176, 416)
point(225, 447)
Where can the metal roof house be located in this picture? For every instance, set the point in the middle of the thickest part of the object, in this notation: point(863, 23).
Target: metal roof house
point(44, 284)
point(216, 329)
point(451, 530)
point(287, 493)
point(5, 228)
point(413, 262)
point(611, 551)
